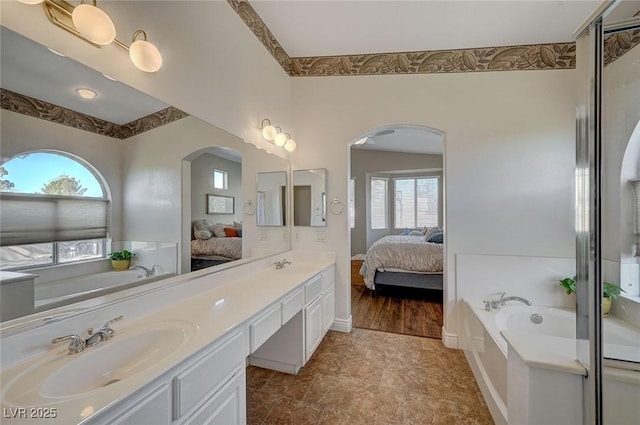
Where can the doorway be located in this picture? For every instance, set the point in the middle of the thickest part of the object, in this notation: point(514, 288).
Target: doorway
point(397, 187)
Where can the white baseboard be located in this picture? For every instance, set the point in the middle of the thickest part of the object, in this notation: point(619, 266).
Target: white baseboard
point(342, 325)
point(274, 365)
point(449, 340)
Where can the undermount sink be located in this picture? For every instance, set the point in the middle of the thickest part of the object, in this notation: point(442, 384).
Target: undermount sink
point(61, 376)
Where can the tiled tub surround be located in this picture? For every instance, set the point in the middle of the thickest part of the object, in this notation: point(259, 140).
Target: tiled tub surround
point(247, 291)
point(516, 361)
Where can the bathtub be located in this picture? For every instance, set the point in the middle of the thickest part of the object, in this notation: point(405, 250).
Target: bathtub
point(66, 291)
point(486, 350)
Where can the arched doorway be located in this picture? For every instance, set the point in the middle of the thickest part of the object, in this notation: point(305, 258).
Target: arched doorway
point(397, 188)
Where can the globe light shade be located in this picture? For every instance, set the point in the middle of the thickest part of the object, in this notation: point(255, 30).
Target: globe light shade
point(31, 1)
point(93, 24)
point(281, 139)
point(290, 146)
point(145, 56)
point(269, 132)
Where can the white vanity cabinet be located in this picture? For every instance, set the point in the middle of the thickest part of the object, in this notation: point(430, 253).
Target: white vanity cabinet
point(328, 298)
point(207, 388)
point(307, 313)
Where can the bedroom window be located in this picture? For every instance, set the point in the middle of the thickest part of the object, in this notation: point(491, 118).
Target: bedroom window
point(220, 180)
point(416, 202)
point(58, 214)
point(379, 189)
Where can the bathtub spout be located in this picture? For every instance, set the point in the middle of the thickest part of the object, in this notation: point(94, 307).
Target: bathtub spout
point(490, 305)
point(147, 272)
point(513, 298)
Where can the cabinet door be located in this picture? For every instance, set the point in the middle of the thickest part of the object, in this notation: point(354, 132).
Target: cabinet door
point(313, 326)
point(228, 406)
point(328, 308)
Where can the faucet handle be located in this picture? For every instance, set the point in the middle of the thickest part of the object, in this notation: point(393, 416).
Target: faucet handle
point(76, 345)
point(107, 327)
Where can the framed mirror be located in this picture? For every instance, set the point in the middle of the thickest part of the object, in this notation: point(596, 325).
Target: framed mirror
point(271, 199)
point(310, 198)
point(220, 204)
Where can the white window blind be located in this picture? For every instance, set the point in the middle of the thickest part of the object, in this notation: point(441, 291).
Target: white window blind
point(379, 188)
point(415, 202)
point(29, 219)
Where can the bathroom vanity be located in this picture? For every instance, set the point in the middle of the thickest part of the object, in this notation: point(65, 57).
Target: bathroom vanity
point(180, 354)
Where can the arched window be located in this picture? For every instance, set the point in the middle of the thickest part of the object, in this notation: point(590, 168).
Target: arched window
point(54, 209)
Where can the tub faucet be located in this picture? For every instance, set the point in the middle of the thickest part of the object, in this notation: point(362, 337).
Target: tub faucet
point(147, 272)
point(496, 303)
point(280, 264)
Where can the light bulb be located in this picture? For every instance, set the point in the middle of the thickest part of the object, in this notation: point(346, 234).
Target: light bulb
point(93, 24)
point(269, 132)
point(281, 139)
point(86, 93)
point(290, 146)
point(145, 56)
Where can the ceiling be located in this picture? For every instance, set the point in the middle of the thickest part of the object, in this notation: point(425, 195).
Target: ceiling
point(30, 69)
point(327, 28)
point(409, 139)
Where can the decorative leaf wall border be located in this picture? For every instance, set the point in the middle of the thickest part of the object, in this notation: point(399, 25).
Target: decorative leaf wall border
point(47, 111)
point(250, 17)
point(505, 58)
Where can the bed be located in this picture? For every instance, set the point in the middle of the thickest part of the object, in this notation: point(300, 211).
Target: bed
point(403, 260)
point(213, 244)
point(229, 247)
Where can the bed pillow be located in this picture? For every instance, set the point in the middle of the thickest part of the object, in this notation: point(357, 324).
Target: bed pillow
point(431, 231)
point(237, 225)
point(239, 232)
point(405, 232)
point(201, 230)
point(230, 232)
point(437, 237)
point(415, 233)
point(218, 231)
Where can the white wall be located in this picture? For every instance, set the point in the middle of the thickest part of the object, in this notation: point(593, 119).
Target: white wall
point(21, 133)
point(509, 158)
point(202, 184)
point(157, 194)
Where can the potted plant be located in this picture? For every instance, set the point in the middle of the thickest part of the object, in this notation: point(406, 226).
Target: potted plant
point(609, 292)
point(120, 260)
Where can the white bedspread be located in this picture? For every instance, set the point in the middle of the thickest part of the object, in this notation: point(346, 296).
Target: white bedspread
point(225, 247)
point(410, 253)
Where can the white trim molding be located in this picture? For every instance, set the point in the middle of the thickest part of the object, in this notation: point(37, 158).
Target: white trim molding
point(450, 340)
point(342, 325)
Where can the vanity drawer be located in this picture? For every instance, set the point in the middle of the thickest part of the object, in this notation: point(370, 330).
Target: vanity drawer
point(328, 277)
point(291, 305)
point(263, 327)
point(312, 288)
point(196, 381)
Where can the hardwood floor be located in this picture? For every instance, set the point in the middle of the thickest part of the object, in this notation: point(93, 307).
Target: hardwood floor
point(398, 310)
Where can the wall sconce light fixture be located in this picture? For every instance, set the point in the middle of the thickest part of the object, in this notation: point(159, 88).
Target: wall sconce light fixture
point(92, 24)
point(275, 135)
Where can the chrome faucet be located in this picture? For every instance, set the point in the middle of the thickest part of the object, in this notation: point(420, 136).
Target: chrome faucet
point(147, 272)
point(78, 344)
point(280, 264)
point(494, 304)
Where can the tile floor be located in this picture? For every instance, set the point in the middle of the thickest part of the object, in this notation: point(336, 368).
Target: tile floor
point(373, 378)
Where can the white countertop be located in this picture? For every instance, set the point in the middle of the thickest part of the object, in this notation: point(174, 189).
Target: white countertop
point(212, 314)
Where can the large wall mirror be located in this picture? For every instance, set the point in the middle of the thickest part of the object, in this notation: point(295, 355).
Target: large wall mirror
point(153, 167)
point(310, 198)
point(271, 199)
